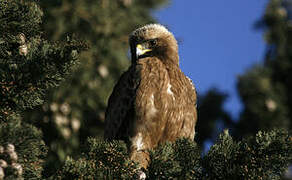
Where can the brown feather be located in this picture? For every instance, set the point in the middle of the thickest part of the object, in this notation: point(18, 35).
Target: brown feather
point(153, 102)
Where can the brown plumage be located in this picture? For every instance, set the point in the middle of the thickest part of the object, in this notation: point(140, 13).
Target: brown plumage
point(153, 102)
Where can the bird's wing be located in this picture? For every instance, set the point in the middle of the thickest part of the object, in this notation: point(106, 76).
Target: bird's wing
point(119, 104)
point(193, 91)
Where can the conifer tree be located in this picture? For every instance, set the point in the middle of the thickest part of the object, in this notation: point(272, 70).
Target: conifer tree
point(29, 66)
point(264, 156)
point(210, 109)
point(266, 88)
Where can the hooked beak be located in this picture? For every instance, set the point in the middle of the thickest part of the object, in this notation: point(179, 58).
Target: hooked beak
point(141, 50)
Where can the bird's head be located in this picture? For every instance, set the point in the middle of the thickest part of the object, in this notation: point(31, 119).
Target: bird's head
point(153, 40)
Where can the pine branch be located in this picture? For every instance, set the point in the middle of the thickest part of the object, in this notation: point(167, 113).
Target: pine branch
point(264, 156)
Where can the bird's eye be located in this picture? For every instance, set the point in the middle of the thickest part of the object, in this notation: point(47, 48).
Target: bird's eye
point(153, 42)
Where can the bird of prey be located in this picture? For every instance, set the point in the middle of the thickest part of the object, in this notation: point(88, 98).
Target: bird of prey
point(153, 101)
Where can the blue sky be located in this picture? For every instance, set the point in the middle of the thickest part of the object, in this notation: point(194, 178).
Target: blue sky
point(217, 41)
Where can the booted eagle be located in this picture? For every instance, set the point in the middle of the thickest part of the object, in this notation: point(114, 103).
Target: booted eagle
point(153, 101)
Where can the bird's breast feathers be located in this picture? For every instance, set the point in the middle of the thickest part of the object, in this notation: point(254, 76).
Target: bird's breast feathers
point(160, 89)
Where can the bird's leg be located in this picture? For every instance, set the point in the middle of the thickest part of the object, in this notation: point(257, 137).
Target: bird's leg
point(139, 150)
point(139, 153)
point(141, 157)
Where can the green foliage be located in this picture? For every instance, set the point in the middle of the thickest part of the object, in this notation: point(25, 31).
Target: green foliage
point(29, 146)
point(210, 108)
point(109, 160)
point(29, 65)
point(266, 89)
point(19, 16)
point(265, 103)
point(103, 160)
point(264, 156)
point(180, 159)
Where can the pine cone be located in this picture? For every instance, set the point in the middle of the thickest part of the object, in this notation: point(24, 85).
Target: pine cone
point(23, 50)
